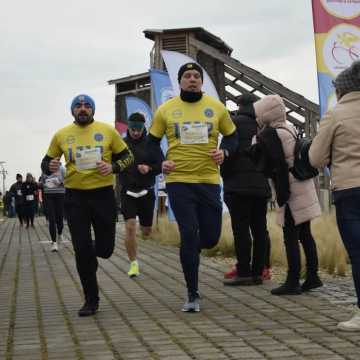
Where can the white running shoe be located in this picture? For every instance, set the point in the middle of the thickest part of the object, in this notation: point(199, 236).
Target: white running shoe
point(54, 247)
point(351, 325)
point(192, 304)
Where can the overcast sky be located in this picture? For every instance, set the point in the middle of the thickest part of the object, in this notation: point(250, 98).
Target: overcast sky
point(51, 51)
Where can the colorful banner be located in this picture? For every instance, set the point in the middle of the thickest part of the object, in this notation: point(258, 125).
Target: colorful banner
point(160, 86)
point(162, 91)
point(174, 60)
point(134, 104)
point(337, 42)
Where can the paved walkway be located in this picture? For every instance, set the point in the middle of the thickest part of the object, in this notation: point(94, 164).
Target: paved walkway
point(140, 319)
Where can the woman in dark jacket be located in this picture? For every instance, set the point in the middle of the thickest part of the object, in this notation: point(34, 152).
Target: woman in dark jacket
point(29, 192)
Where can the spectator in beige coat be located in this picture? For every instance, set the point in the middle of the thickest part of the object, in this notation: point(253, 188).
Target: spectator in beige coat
point(301, 207)
point(337, 145)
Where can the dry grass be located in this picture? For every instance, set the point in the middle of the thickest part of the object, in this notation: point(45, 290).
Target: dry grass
point(166, 232)
point(332, 255)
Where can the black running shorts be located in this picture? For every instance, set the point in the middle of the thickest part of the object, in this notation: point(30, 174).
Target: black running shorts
point(143, 207)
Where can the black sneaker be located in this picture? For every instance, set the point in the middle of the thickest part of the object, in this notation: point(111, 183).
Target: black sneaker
point(257, 280)
point(239, 281)
point(88, 309)
point(311, 283)
point(287, 289)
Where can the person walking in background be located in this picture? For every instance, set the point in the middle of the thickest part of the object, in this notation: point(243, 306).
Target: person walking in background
point(29, 190)
point(137, 189)
point(246, 194)
point(53, 201)
point(337, 145)
point(93, 152)
point(297, 200)
point(192, 123)
point(7, 199)
point(16, 193)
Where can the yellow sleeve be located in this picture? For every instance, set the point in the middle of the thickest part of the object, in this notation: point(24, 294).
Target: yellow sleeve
point(118, 144)
point(158, 125)
point(226, 125)
point(54, 148)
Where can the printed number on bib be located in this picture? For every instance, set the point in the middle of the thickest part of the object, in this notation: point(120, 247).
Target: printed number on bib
point(194, 134)
point(86, 159)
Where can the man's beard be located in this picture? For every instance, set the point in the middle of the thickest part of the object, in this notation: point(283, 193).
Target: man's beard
point(84, 118)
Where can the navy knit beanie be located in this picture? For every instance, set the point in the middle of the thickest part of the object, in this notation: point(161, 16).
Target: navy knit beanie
point(82, 98)
point(190, 66)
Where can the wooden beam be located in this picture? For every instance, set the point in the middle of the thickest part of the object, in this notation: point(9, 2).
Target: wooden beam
point(262, 89)
point(292, 119)
point(230, 96)
point(273, 85)
point(130, 92)
point(131, 78)
point(245, 91)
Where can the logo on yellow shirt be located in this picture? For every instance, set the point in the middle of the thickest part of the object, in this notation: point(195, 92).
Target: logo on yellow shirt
point(70, 139)
point(177, 114)
point(209, 112)
point(99, 137)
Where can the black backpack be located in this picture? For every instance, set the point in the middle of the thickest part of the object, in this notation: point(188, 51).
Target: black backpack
point(302, 169)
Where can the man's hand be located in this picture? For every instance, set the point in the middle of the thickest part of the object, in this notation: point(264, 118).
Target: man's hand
point(143, 169)
point(217, 155)
point(54, 165)
point(104, 168)
point(168, 166)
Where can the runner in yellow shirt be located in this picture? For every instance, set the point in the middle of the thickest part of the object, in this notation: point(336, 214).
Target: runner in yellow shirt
point(192, 123)
point(93, 151)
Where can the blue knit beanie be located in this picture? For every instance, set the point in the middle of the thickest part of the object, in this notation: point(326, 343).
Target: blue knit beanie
point(82, 98)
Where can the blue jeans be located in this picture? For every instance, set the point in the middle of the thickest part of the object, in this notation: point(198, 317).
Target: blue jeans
point(347, 204)
point(198, 212)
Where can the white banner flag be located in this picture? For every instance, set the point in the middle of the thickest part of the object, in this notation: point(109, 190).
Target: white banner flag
point(174, 60)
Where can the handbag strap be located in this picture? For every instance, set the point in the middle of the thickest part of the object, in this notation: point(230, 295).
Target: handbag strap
point(289, 131)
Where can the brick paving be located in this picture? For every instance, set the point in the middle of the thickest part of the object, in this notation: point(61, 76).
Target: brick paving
point(141, 319)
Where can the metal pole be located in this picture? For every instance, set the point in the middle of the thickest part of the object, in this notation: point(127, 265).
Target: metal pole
point(3, 173)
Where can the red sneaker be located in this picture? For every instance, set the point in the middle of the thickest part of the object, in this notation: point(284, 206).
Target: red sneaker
point(231, 273)
point(266, 273)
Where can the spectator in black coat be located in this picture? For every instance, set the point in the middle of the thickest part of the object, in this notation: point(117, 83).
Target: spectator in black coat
point(246, 194)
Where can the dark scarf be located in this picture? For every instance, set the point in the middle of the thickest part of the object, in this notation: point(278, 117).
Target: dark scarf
point(268, 156)
point(190, 96)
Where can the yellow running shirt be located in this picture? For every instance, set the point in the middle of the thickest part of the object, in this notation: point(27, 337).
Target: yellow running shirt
point(192, 130)
point(74, 140)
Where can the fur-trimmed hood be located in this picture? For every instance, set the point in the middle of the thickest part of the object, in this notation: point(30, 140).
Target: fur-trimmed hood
point(270, 111)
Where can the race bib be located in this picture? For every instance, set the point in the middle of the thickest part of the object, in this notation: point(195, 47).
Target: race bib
point(194, 134)
point(29, 197)
point(87, 159)
point(52, 183)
